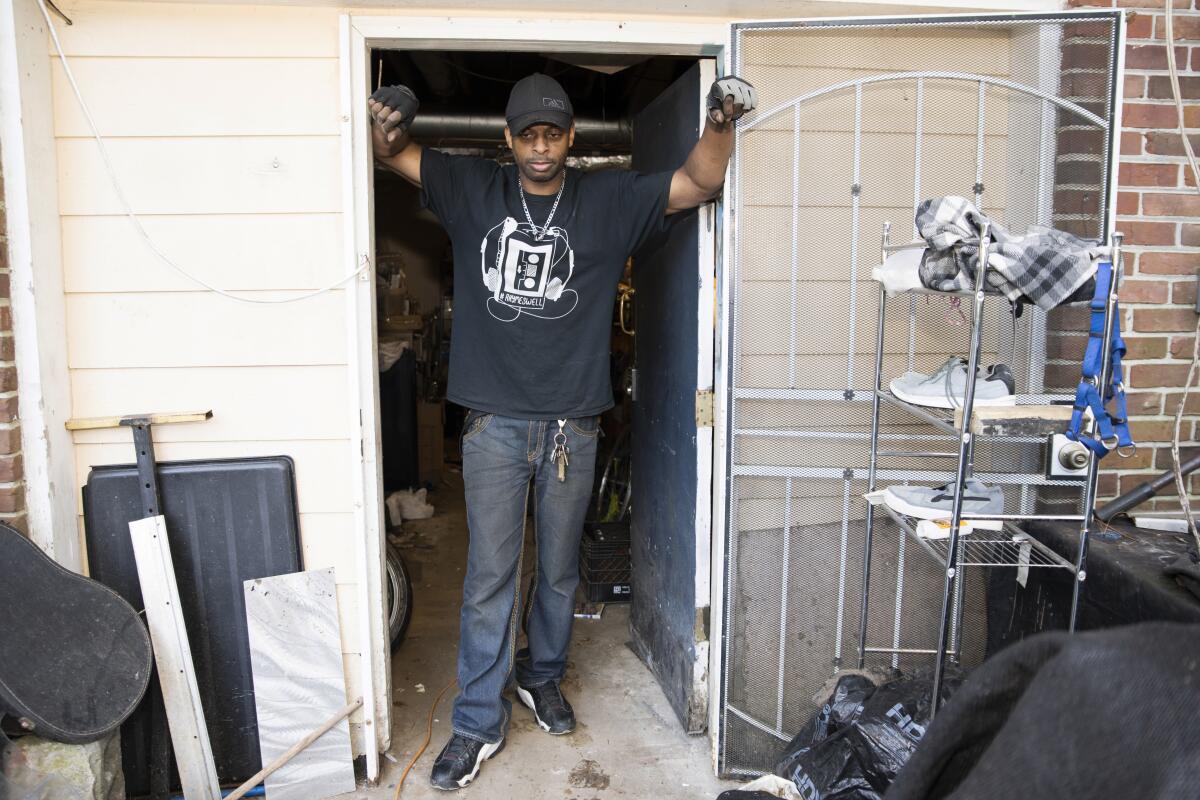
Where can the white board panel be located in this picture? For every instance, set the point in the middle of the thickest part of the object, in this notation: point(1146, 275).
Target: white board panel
point(348, 603)
point(178, 29)
point(258, 403)
point(295, 657)
point(322, 468)
point(197, 97)
point(229, 251)
point(173, 657)
point(185, 330)
point(352, 666)
point(328, 540)
point(234, 175)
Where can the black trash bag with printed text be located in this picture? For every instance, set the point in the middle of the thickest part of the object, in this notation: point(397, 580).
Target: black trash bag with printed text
point(853, 747)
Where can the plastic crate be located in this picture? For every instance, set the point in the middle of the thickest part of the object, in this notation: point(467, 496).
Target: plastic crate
point(605, 570)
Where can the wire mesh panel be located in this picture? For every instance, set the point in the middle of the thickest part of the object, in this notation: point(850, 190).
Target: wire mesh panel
point(860, 122)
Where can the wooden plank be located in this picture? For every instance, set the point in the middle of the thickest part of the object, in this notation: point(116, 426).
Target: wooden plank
point(230, 251)
point(183, 330)
point(296, 658)
point(227, 175)
point(1027, 420)
point(156, 418)
point(322, 468)
point(173, 657)
point(179, 29)
point(254, 403)
point(196, 97)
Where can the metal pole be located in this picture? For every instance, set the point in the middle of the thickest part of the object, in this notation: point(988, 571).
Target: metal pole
point(918, 134)
point(1089, 491)
point(783, 599)
point(978, 188)
point(870, 522)
point(956, 622)
point(843, 555)
point(795, 244)
point(143, 444)
point(898, 611)
point(965, 449)
point(855, 193)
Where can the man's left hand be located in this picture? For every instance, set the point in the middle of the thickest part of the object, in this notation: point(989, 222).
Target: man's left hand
point(730, 98)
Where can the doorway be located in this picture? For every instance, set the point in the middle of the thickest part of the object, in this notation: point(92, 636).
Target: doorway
point(360, 36)
point(627, 108)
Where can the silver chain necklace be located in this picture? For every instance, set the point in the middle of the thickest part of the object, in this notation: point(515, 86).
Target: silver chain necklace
point(539, 233)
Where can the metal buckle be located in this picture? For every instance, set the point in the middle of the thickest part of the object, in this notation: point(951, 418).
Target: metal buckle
point(1132, 448)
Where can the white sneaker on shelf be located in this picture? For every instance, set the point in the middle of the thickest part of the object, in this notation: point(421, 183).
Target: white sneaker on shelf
point(946, 388)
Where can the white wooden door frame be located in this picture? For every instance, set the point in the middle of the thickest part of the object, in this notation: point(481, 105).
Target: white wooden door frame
point(359, 35)
point(36, 281)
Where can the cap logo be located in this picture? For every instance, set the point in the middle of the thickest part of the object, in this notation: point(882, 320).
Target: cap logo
point(552, 102)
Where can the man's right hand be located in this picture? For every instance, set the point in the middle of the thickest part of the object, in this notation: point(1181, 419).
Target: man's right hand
point(392, 110)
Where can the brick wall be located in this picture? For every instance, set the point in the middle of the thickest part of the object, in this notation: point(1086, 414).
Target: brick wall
point(1159, 213)
point(12, 476)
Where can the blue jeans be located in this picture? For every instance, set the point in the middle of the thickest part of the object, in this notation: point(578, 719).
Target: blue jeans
point(503, 460)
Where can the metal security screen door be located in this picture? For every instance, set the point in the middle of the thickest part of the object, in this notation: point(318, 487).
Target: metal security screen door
point(859, 122)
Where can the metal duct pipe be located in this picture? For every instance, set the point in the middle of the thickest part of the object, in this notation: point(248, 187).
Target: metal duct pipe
point(465, 128)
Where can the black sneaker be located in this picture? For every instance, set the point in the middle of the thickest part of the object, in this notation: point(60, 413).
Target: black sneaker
point(460, 760)
point(554, 714)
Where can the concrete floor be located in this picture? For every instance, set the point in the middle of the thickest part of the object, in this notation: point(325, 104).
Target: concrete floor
point(628, 742)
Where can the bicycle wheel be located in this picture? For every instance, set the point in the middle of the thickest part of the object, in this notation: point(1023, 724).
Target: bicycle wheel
point(399, 597)
point(614, 489)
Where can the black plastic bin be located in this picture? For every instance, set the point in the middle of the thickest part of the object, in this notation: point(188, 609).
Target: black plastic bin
point(605, 569)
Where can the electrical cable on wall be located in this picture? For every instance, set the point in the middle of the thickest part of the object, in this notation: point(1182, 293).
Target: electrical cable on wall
point(128, 211)
point(1191, 376)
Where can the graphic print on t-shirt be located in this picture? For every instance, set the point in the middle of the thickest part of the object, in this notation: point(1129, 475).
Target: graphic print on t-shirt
point(526, 275)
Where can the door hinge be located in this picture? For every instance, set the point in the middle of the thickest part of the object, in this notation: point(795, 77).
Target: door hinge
point(704, 408)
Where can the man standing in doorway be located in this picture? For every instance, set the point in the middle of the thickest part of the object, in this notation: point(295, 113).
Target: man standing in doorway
point(538, 251)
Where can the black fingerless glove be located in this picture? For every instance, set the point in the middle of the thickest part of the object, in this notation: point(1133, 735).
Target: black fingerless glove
point(398, 98)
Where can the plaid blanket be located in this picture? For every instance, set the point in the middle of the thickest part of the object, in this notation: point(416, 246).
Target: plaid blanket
point(1045, 266)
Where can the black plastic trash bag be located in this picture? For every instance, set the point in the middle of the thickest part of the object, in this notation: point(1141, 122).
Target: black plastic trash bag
point(842, 708)
point(820, 760)
point(853, 747)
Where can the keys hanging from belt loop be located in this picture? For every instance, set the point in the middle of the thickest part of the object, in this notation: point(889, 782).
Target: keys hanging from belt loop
point(561, 451)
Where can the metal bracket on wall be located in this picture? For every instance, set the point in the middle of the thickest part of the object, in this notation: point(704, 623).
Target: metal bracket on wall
point(704, 408)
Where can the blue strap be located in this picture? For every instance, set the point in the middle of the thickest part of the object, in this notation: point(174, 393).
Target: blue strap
point(1109, 427)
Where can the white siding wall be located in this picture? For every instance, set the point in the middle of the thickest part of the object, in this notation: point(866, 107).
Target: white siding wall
point(222, 123)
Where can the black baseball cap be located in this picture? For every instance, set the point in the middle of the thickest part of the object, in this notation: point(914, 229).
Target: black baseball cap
point(535, 99)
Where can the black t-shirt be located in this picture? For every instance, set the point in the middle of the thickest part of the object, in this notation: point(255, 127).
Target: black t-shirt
point(532, 318)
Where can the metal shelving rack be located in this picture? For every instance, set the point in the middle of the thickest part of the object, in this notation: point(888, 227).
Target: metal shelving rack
point(1011, 546)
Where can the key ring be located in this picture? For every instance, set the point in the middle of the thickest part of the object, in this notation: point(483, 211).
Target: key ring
point(560, 439)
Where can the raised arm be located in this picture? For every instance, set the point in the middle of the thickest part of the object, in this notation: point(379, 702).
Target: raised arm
point(392, 110)
point(702, 175)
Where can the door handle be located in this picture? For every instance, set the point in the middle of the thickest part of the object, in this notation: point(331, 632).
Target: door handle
point(626, 298)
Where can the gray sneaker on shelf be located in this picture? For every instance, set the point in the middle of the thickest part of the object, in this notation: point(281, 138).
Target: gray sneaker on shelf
point(924, 502)
point(946, 387)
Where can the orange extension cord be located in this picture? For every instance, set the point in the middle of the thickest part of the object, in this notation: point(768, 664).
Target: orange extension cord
point(428, 737)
